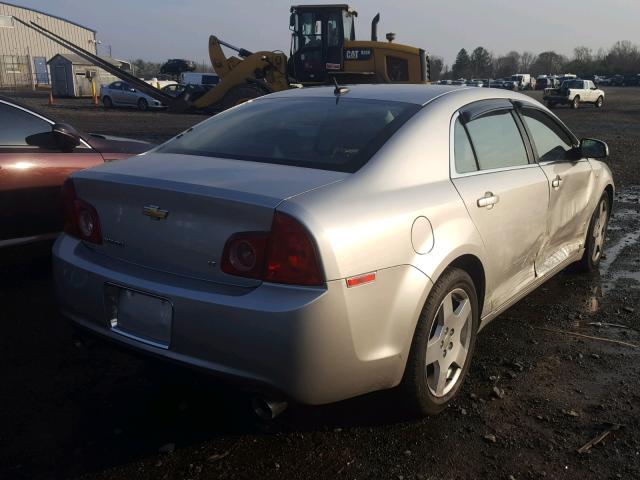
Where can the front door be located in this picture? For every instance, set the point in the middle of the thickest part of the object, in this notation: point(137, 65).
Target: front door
point(506, 196)
point(571, 183)
point(40, 67)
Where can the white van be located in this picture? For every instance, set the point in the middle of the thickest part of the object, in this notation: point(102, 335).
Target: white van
point(195, 78)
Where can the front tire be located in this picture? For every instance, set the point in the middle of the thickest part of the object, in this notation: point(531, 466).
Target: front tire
point(107, 102)
point(599, 102)
point(575, 104)
point(594, 244)
point(443, 344)
point(143, 105)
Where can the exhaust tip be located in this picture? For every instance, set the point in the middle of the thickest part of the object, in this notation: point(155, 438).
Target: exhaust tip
point(268, 409)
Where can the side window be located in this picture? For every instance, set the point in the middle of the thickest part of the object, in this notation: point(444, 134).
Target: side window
point(497, 141)
point(465, 160)
point(17, 125)
point(552, 142)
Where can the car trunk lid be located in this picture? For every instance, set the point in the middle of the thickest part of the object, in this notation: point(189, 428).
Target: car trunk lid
point(174, 213)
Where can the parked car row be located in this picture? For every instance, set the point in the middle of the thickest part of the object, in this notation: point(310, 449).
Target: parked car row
point(631, 80)
point(504, 83)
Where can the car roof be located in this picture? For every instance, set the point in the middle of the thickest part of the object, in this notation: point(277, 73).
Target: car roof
point(409, 93)
point(418, 94)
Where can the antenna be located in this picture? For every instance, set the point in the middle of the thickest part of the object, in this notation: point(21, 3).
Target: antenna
point(339, 90)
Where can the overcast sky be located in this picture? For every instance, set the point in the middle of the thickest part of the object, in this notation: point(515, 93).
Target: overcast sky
point(160, 29)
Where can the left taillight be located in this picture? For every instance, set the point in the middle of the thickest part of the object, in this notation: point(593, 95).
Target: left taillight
point(286, 254)
point(81, 219)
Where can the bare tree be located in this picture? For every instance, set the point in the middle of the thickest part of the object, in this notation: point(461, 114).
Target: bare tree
point(526, 60)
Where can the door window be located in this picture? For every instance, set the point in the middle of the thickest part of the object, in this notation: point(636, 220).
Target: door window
point(551, 142)
point(465, 160)
point(497, 141)
point(17, 125)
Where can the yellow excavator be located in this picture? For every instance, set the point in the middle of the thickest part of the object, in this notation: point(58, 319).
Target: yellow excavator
point(323, 51)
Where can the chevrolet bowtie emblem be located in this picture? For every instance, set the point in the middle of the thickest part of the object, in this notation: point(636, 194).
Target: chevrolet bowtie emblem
point(155, 212)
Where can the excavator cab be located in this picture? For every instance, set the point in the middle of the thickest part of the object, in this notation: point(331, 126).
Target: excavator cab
point(317, 41)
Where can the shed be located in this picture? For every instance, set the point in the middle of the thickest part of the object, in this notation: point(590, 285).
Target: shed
point(70, 77)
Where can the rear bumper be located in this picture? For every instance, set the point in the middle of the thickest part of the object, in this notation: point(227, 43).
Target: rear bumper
point(314, 345)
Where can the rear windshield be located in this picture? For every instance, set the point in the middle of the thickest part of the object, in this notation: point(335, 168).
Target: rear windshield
point(572, 84)
point(339, 134)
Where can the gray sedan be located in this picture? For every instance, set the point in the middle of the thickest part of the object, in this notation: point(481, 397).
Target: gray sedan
point(121, 94)
point(318, 244)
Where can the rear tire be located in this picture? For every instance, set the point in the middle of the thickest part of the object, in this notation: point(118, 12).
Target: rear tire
point(594, 244)
point(240, 94)
point(143, 105)
point(107, 102)
point(443, 344)
point(575, 104)
point(599, 102)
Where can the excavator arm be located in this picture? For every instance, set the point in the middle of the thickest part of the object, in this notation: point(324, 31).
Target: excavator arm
point(264, 71)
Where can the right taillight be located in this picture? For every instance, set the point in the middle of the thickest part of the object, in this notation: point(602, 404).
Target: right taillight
point(81, 219)
point(287, 254)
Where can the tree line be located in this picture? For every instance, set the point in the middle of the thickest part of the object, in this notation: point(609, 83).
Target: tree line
point(622, 58)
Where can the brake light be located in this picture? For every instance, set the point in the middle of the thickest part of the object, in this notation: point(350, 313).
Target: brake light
point(244, 254)
point(81, 219)
point(292, 257)
point(284, 255)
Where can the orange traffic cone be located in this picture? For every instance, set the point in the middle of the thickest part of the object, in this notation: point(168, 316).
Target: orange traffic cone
point(50, 98)
point(95, 100)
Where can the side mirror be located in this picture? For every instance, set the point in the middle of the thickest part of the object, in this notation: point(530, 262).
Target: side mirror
point(292, 21)
point(66, 137)
point(592, 148)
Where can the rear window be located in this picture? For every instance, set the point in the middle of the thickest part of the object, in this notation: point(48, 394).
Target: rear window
point(573, 84)
point(339, 134)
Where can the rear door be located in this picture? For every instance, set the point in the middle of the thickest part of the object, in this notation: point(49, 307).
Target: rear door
point(31, 177)
point(115, 92)
point(571, 182)
point(129, 95)
point(505, 193)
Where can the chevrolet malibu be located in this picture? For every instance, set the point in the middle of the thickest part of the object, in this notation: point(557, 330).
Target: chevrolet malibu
point(320, 243)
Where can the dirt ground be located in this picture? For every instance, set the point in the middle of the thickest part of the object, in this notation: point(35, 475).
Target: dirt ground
point(534, 395)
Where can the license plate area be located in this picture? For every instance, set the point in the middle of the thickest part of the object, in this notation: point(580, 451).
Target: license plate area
point(138, 315)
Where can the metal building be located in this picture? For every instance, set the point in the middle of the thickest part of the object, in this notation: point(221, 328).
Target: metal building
point(24, 53)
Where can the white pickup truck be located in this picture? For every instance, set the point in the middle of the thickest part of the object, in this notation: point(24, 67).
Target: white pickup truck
point(574, 92)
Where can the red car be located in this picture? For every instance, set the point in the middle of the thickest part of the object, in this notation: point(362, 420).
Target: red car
point(36, 156)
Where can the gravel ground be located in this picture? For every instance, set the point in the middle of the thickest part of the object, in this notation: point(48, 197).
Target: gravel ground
point(532, 398)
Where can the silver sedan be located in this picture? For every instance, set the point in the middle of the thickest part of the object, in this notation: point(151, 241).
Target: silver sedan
point(321, 243)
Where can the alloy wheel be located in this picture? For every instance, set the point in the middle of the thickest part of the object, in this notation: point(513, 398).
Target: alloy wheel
point(599, 231)
point(449, 341)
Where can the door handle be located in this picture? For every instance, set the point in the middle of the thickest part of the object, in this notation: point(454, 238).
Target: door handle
point(488, 201)
point(557, 182)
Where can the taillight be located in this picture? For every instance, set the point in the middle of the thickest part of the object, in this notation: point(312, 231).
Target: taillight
point(292, 257)
point(244, 254)
point(81, 219)
point(284, 255)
